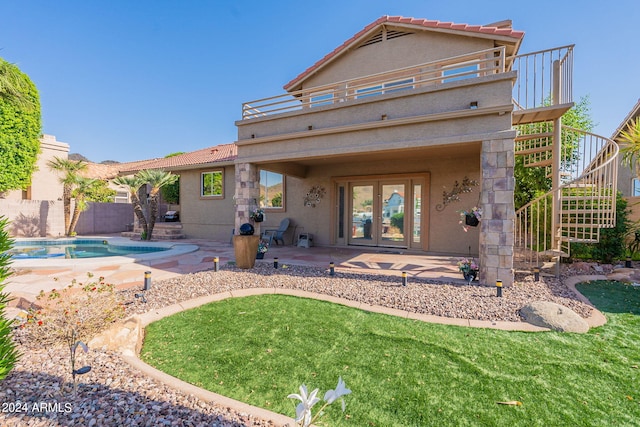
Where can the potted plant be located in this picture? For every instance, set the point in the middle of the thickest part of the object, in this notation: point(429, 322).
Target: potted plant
point(470, 218)
point(469, 269)
point(263, 247)
point(257, 215)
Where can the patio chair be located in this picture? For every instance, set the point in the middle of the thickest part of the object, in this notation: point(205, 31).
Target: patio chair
point(277, 235)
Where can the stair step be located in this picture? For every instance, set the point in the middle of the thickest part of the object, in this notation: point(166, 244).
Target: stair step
point(578, 240)
point(526, 137)
point(546, 162)
point(594, 198)
point(579, 185)
point(533, 150)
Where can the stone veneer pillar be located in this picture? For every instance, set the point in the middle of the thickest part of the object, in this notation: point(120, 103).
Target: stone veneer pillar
point(247, 194)
point(498, 212)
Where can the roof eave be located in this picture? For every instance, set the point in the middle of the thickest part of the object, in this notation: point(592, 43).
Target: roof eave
point(635, 112)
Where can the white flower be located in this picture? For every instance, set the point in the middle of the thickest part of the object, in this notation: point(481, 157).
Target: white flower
point(341, 390)
point(303, 410)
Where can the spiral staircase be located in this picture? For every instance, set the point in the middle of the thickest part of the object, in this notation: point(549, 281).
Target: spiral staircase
point(582, 166)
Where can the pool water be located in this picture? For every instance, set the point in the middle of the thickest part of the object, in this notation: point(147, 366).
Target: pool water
point(75, 248)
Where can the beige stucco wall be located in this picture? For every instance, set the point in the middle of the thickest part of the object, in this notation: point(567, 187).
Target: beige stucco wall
point(625, 180)
point(208, 218)
point(417, 48)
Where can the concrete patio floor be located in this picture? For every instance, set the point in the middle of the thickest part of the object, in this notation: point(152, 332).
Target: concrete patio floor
point(28, 282)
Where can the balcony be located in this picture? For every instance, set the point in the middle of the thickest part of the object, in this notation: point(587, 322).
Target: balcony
point(535, 97)
point(476, 64)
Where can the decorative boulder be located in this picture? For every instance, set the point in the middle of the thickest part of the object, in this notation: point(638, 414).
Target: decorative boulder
point(554, 316)
point(627, 275)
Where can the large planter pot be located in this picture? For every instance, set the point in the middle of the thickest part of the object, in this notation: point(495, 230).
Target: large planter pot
point(245, 249)
point(260, 255)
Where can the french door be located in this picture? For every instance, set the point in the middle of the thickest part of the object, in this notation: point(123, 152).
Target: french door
point(382, 212)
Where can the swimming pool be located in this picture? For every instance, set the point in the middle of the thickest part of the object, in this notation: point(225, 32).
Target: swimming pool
point(76, 248)
point(123, 251)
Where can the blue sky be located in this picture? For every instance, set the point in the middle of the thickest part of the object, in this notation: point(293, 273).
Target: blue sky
point(131, 80)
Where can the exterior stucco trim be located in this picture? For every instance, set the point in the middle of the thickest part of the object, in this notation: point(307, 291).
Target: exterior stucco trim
point(483, 111)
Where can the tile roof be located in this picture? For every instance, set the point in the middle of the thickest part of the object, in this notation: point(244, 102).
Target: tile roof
point(425, 23)
point(216, 154)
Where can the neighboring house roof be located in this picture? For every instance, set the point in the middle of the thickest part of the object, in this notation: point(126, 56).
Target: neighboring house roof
point(223, 153)
point(499, 31)
point(635, 112)
point(217, 154)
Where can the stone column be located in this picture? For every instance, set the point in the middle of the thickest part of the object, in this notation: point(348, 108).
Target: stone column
point(498, 212)
point(247, 194)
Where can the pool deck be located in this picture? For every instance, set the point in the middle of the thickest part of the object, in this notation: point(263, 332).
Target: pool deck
point(195, 255)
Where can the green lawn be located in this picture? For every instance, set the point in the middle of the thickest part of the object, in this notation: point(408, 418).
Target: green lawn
point(403, 372)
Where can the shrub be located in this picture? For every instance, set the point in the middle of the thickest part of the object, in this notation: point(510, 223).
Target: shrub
point(77, 312)
point(72, 316)
point(8, 352)
point(611, 245)
point(397, 221)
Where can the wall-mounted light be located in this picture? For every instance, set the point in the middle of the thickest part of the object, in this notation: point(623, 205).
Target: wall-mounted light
point(310, 127)
point(383, 117)
point(473, 105)
point(253, 135)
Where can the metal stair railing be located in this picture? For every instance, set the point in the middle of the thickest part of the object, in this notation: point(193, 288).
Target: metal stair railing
point(589, 169)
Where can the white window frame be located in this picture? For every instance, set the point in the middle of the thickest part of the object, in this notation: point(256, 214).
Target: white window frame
point(212, 196)
point(264, 183)
point(386, 87)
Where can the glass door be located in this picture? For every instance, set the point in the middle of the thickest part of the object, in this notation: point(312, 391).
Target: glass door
point(362, 218)
point(393, 221)
point(382, 211)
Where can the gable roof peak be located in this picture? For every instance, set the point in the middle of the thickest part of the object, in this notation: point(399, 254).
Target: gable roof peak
point(501, 29)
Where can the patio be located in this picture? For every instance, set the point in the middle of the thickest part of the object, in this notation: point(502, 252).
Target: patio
point(27, 283)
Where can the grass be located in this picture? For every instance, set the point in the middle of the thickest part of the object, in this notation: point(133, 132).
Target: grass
point(403, 372)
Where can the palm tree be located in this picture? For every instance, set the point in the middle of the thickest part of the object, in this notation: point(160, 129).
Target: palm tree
point(83, 186)
point(133, 184)
point(71, 170)
point(13, 86)
point(156, 179)
point(631, 140)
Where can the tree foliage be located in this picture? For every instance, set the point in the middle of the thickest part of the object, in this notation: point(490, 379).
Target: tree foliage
point(99, 192)
point(630, 138)
point(155, 179)
point(171, 192)
point(20, 128)
point(8, 352)
point(397, 221)
point(70, 170)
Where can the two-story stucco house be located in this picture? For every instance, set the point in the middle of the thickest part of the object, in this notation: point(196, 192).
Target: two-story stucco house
point(429, 110)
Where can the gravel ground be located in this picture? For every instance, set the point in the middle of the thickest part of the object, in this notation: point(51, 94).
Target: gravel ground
point(114, 394)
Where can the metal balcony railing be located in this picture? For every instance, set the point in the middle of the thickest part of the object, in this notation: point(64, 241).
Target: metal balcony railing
point(476, 64)
point(534, 87)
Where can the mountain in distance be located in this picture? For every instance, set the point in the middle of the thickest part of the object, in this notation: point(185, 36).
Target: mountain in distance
point(79, 157)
